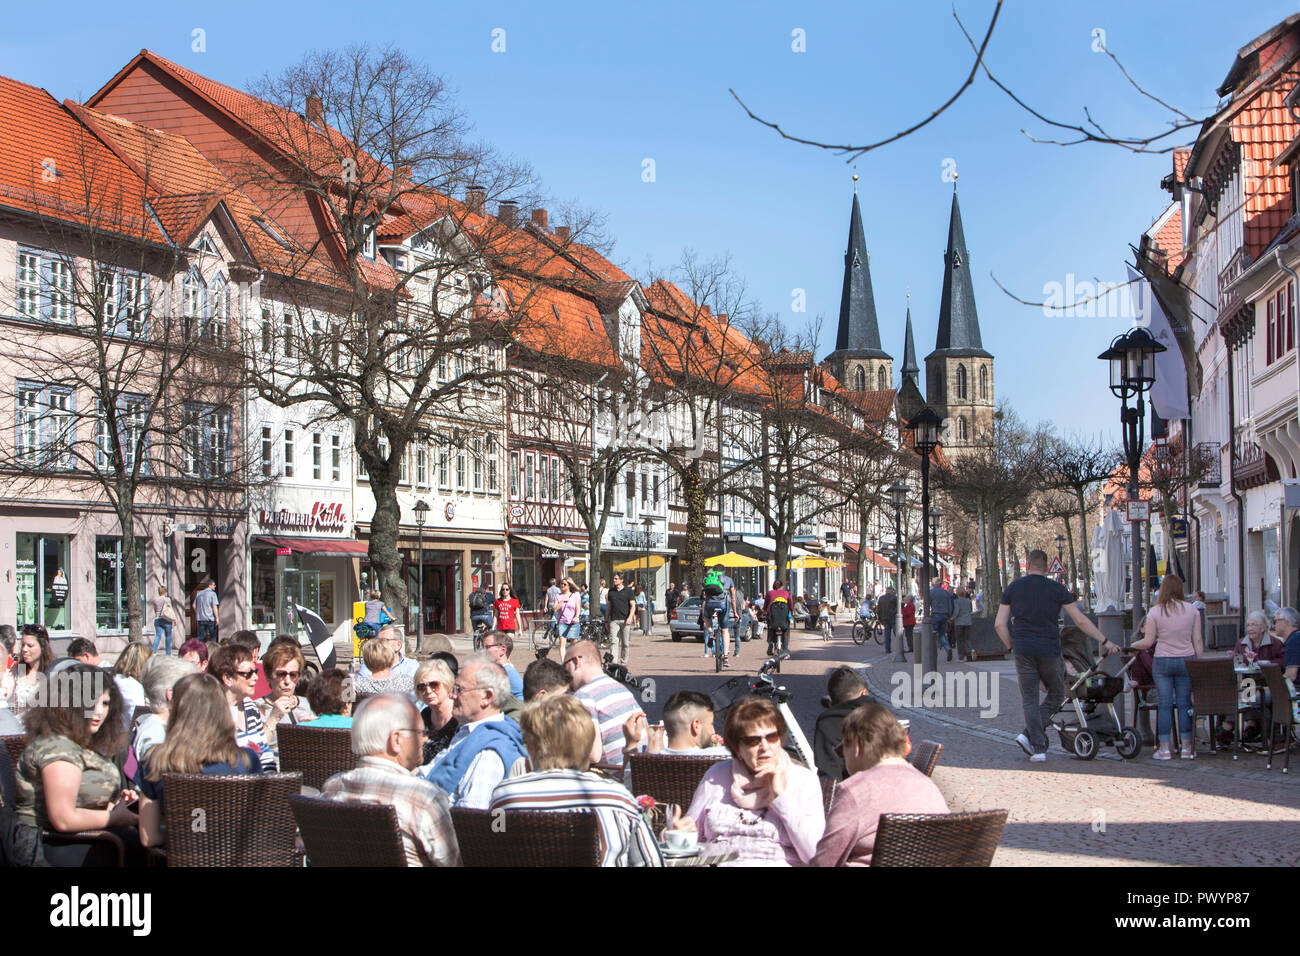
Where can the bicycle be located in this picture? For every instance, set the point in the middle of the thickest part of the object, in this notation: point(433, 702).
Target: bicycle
point(481, 627)
point(597, 631)
point(763, 685)
point(545, 639)
point(868, 628)
point(709, 621)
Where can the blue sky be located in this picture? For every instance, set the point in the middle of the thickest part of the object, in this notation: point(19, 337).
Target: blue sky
point(587, 91)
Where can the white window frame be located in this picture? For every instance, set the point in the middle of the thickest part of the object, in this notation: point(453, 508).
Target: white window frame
point(268, 451)
point(336, 458)
point(317, 456)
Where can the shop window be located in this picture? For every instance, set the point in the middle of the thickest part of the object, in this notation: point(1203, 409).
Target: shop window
point(44, 581)
point(111, 609)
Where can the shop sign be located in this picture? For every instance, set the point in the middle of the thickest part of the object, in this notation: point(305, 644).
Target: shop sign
point(208, 530)
point(450, 510)
point(516, 512)
point(322, 517)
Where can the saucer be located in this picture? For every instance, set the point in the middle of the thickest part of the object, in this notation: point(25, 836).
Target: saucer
point(673, 854)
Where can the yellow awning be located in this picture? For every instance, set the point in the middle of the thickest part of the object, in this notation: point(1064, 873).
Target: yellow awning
point(812, 561)
point(643, 563)
point(579, 566)
point(732, 559)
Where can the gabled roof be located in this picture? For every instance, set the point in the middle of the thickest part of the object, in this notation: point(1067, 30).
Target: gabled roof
point(911, 370)
point(876, 405)
point(52, 166)
point(1167, 234)
point(959, 325)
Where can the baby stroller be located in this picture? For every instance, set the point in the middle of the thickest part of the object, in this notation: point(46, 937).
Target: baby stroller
point(1088, 717)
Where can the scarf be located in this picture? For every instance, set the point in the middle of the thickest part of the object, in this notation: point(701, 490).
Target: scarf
point(745, 793)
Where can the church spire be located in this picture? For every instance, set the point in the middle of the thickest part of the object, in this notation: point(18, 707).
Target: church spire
point(859, 331)
point(959, 325)
point(910, 369)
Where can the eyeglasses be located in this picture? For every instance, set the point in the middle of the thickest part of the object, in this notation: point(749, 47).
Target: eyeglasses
point(488, 647)
point(411, 730)
point(575, 659)
point(281, 675)
point(457, 690)
point(247, 674)
point(431, 685)
point(754, 740)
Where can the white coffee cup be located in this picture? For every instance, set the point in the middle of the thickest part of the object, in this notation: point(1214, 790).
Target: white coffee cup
point(681, 839)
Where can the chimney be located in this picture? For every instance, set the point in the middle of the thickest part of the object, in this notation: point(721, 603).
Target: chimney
point(315, 110)
point(562, 233)
point(475, 199)
point(506, 210)
point(539, 219)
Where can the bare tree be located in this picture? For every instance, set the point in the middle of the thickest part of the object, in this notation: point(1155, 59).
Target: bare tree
point(1076, 465)
point(401, 299)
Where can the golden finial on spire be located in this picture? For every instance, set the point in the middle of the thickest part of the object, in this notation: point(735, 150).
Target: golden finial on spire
point(855, 184)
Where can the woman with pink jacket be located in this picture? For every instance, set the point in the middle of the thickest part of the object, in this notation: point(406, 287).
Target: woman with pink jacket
point(1174, 628)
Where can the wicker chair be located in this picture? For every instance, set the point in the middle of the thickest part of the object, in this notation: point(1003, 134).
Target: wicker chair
point(318, 752)
point(1279, 713)
point(669, 778)
point(15, 744)
point(348, 834)
point(925, 756)
point(527, 838)
point(938, 839)
point(242, 820)
point(1214, 695)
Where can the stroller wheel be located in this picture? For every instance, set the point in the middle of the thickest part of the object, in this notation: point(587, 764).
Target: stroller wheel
point(1129, 744)
point(1085, 745)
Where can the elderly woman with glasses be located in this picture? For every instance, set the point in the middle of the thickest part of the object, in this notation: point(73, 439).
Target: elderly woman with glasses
point(380, 656)
point(233, 666)
point(1258, 644)
point(283, 664)
point(433, 683)
point(759, 804)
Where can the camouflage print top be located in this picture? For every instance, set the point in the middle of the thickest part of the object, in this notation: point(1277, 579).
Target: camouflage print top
point(101, 782)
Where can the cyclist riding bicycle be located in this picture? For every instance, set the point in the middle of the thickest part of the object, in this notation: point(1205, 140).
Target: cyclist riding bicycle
point(718, 593)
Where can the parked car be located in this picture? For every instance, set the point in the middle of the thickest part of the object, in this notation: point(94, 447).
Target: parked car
point(684, 620)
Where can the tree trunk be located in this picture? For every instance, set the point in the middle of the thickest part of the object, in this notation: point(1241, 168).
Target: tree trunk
point(385, 529)
point(993, 572)
point(130, 557)
point(1069, 543)
point(1087, 543)
point(864, 516)
point(697, 523)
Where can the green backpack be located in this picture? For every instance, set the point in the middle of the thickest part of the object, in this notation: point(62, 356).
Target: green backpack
point(713, 584)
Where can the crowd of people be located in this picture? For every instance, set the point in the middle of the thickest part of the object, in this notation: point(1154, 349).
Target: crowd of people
point(430, 735)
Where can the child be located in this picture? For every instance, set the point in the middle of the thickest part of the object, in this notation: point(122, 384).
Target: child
point(824, 621)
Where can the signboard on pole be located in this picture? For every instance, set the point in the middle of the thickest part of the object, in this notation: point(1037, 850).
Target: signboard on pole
point(1178, 527)
point(1139, 511)
point(1055, 567)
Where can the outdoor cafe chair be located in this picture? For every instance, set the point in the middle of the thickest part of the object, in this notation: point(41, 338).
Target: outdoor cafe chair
point(240, 820)
point(15, 744)
point(1279, 714)
point(938, 839)
point(669, 778)
point(526, 837)
point(1215, 695)
point(828, 794)
point(348, 834)
point(925, 756)
point(318, 752)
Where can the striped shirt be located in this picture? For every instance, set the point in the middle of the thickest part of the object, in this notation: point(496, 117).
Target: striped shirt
point(611, 704)
point(423, 814)
point(625, 837)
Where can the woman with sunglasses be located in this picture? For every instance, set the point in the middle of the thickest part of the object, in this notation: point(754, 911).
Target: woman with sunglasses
point(433, 683)
point(507, 611)
point(283, 665)
point(233, 666)
point(759, 804)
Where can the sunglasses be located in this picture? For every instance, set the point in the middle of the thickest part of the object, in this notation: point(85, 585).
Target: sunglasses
point(248, 673)
point(754, 740)
point(431, 685)
point(281, 675)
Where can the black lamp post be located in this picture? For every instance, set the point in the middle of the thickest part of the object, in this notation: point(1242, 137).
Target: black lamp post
point(935, 515)
point(421, 510)
point(925, 429)
point(1132, 360)
point(1060, 550)
point(898, 497)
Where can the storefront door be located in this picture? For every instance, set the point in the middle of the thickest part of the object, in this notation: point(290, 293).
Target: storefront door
point(202, 562)
point(44, 581)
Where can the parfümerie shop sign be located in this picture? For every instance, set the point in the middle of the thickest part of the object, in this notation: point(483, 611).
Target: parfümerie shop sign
point(323, 517)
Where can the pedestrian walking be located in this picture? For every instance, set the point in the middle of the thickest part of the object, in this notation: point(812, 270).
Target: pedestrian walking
point(205, 610)
point(1027, 623)
point(909, 620)
point(961, 622)
point(622, 610)
point(887, 611)
point(940, 613)
point(164, 617)
point(1174, 628)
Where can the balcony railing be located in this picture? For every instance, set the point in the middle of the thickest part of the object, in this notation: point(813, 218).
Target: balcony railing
point(1207, 455)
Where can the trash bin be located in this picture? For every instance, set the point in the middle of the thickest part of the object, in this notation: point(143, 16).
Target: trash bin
point(647, 620)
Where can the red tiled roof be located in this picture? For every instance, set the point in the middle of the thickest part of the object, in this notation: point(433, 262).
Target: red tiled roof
point(1180, 162)
point(876, 405)
point(52, 166)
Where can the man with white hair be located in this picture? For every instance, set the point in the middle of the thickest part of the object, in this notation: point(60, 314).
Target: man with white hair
point(160, 677)
point(405, 666)
point(1286, 627)
point(387, 735)
point(487, 742)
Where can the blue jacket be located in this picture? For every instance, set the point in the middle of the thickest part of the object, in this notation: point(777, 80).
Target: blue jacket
point(502, 737)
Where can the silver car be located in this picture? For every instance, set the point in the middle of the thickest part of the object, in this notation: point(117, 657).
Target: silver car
point(684, 620)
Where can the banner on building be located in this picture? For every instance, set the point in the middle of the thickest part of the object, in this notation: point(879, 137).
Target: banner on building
point(1169, 393)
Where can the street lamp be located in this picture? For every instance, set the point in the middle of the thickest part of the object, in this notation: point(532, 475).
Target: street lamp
point(1060, 549)
point(649, 523)
point(421, 515)
point(898, 497)
point(925, 429)
point(1132, 361)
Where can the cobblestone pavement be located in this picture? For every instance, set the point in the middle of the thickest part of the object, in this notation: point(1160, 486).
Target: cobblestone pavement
point(1212, 811)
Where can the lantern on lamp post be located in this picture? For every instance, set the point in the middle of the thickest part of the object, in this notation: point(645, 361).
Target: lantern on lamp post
point(925, 429)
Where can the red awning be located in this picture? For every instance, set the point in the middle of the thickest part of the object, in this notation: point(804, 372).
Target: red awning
point(317, 545)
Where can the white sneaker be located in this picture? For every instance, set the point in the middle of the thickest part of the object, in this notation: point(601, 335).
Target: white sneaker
point(1038, 758)
point(1025, 745)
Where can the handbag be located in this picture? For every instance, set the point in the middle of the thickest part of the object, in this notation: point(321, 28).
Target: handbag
point(168, 614)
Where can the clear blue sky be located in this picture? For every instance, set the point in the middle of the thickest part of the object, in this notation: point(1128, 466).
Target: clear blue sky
point(587, 91)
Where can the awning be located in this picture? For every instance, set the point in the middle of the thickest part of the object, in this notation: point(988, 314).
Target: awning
point(645, 563)
point(733, 560)
point(761, 543)
point(315, 545)
point(550, 544)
